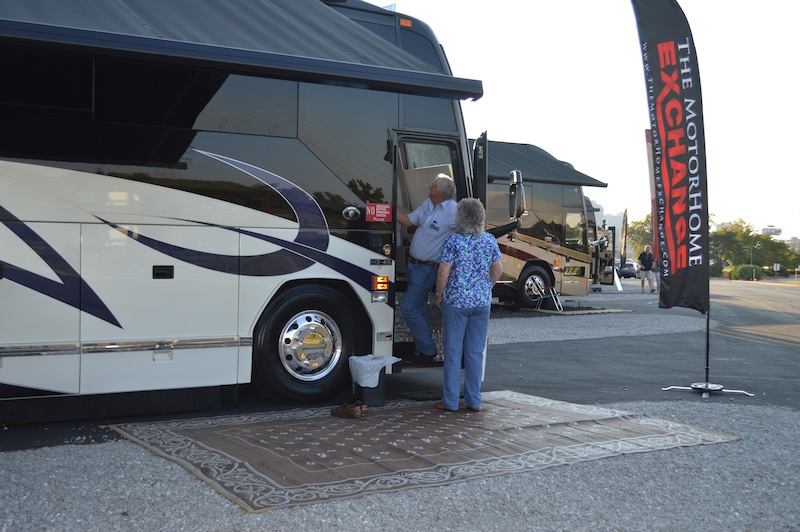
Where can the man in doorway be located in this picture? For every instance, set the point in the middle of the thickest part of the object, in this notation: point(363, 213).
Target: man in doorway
point(646, 263)
point(434, 221)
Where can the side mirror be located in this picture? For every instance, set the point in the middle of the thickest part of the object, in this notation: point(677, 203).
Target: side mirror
point(516, 195)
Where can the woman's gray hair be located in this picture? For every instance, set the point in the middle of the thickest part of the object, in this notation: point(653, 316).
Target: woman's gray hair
point(471, 216)
point(445, 184)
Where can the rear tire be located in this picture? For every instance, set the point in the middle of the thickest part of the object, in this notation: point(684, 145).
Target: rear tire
point(302, 343)
point(528, 293)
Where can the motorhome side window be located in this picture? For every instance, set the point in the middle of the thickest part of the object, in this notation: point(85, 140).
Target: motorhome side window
point(574, 227)
point(549, 218)
point(145, 121)
point(575, 218)
point(420, 47)
point(252, 105)
point(436, 114)
point(40, 83)
point(385, 31)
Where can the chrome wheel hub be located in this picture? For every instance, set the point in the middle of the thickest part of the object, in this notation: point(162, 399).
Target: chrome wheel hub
point(532, 291)
point(310, 345)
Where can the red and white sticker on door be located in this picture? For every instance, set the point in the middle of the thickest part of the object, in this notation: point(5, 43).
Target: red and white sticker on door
point(379, 212)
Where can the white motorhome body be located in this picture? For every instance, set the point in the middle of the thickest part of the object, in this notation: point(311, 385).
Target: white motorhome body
point(207, 207)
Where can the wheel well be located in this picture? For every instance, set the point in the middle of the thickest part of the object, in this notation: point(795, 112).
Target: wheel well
point(354, 304)
point(542, 264)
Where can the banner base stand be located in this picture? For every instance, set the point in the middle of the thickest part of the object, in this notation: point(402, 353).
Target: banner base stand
point(706, 388)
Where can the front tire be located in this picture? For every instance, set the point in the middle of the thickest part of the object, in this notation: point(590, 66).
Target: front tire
point(302, 343)
point(528, 292)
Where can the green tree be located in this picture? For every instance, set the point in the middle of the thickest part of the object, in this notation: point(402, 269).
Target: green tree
point(736, 243)
point(794, 261)
point(640, 234)
point(731, 243)
point(775, 252)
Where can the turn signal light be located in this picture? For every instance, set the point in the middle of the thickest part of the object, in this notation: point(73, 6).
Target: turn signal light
point(380, 282)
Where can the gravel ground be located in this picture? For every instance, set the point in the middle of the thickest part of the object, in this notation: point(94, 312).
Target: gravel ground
point(752, 484)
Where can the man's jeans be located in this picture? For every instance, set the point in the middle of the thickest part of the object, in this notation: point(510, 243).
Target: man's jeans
point(421, 279)
point(465, 331)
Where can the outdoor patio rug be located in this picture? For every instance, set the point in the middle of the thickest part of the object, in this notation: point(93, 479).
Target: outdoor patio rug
point(280, 459)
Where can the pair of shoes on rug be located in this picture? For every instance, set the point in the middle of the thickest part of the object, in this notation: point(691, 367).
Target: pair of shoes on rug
point(352, 411)
point(441, 406)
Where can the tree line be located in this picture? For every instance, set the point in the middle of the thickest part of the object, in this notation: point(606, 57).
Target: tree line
point(733, 246)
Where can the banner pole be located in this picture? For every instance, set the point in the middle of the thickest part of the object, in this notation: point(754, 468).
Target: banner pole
point(706, 387)
point(708, 341)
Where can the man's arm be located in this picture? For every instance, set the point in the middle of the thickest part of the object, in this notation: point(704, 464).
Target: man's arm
point(404, 220)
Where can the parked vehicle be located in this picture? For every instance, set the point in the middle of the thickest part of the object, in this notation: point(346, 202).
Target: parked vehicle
point(553, 246)
point(630, 270)
point(184, 206)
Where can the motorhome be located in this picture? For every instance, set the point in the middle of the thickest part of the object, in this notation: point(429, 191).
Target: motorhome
point(553, 248)
point(205, 197)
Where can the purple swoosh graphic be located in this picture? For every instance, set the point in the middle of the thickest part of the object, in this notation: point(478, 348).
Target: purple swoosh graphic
point(308, 248)
point(71, 285)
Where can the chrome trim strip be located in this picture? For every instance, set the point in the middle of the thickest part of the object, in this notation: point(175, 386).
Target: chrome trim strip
point(121, 347)
point(161, 345)
point(40, 350)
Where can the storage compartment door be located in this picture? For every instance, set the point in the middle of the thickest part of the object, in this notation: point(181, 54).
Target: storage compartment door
point(39, 307)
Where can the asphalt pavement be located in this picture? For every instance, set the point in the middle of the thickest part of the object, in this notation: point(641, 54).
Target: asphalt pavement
point(753, 346)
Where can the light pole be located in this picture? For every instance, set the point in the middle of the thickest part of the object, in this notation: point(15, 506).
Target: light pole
point(757, 245)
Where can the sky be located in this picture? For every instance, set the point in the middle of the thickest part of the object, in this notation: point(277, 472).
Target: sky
point(567, 76)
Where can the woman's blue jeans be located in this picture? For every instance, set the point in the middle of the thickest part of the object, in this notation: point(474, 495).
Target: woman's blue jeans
point(465, 332)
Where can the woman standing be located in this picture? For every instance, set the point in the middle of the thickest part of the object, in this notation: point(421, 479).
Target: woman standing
point(469, 268)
